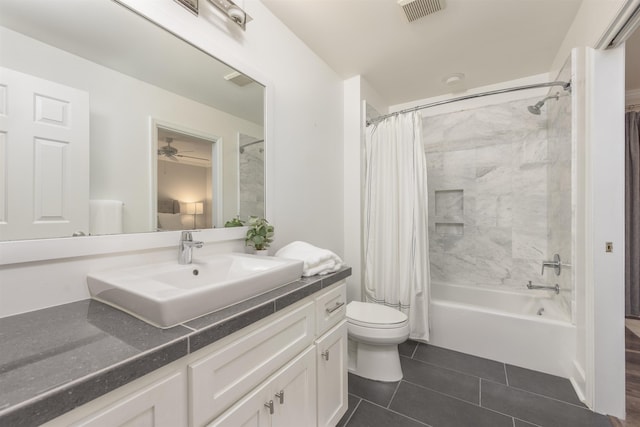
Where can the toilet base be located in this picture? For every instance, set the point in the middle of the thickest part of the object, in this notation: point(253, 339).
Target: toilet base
point(375, 362)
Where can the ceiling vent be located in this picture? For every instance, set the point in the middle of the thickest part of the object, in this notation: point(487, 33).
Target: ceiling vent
point(238, 78)
point(416, 9)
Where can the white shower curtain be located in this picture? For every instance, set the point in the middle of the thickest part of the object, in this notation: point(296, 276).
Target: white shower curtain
point(396, 241)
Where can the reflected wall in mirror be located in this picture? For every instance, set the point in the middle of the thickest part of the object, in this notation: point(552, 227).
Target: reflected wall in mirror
point(104, 103)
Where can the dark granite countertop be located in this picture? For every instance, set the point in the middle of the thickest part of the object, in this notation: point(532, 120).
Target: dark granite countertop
point(56, 359)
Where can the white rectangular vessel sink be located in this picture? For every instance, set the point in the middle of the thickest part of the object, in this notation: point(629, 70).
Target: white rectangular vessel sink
point(167, 294)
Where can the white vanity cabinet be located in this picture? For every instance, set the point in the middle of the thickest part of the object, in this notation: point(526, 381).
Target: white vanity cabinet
point(285, 399)
point(312, 387)
point(161, 404)
point(286, 370)
point(331, 355)
point(224, 376)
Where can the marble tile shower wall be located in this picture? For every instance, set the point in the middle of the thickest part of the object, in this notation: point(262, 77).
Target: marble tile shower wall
point(488, 182)
point(251, 181)
point(560, 205)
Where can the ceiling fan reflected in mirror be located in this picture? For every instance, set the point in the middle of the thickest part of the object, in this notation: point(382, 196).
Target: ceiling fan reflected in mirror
point(173, 153)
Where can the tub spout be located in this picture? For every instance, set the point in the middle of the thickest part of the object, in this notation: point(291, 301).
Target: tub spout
point(555, 288)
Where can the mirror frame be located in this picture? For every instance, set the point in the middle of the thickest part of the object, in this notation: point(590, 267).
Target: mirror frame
point(51, 249)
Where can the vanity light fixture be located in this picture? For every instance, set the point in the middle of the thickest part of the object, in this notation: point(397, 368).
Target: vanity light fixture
point(234, 12)
point(190, 5)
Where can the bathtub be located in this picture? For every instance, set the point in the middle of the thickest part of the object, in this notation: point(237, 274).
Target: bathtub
point(525, 328)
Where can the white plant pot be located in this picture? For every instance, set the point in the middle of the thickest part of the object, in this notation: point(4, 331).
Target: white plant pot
point(262, 252)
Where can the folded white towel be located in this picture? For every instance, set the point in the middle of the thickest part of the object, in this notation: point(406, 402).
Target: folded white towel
point(316, 260)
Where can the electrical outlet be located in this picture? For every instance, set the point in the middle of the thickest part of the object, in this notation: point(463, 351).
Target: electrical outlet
point(608, 247)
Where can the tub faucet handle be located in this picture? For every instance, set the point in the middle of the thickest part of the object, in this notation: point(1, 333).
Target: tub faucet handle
point(556, 264)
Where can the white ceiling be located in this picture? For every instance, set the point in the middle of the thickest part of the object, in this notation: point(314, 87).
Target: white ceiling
point(490, 41)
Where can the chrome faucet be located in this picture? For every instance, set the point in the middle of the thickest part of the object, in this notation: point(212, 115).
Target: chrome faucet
point(185, 250)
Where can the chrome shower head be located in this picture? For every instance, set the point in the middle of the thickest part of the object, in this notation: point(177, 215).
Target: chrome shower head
point(535, 109)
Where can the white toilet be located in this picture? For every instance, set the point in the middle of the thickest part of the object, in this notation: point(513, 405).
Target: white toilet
point(374, 334)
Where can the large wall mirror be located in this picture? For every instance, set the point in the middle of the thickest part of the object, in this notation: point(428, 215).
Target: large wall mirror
point(110, 124)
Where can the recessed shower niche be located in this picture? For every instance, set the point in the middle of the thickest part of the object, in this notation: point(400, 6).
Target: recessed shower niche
point(449, 210)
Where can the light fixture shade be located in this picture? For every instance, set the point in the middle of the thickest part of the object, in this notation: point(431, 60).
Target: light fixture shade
point(193, 208)
point(199, 208)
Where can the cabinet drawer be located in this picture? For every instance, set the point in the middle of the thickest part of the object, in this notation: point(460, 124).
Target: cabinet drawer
point(220, 379)
point(331, 307)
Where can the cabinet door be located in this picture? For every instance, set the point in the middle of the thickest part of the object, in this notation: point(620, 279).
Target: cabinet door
point(294, 392)
point(251, 411)
point(286, 399)
point(222, 378)
point(331, 351)
point(162, 404)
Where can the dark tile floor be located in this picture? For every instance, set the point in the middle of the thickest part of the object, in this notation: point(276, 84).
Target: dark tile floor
point(444, 388)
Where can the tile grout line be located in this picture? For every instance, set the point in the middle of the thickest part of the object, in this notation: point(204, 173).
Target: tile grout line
point(506, 376)
point(479, 392)
point(458, 399)
point(448, 395)
point(346, 423)
point(453, 370)
point(394, 394)
point(395, 412)
point(542, 395)
point(413, 353)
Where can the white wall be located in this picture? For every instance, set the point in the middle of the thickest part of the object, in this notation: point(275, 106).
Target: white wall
point(357, 93)
point(304, 157)
point(591, 22)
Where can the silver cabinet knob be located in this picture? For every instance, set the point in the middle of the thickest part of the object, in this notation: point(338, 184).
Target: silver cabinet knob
point(325, 355)
point(280, 396)
point(269, 405)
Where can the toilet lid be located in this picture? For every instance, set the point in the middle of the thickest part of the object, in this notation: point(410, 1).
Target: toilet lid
point(375, 315)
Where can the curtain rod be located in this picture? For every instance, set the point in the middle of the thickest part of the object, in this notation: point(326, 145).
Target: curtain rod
point(251, 143)
point(565, 86)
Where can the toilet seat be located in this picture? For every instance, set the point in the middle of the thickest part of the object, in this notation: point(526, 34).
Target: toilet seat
point(370, 315)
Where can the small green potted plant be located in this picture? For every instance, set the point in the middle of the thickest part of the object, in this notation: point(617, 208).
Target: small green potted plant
point(235, 222)
point(259, 235)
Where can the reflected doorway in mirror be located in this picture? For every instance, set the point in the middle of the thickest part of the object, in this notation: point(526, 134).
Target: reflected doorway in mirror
point(187, 170)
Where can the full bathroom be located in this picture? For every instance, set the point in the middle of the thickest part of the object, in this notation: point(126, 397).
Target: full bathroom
point(445, 233)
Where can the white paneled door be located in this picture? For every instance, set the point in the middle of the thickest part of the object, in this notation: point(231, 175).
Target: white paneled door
point(44, 158)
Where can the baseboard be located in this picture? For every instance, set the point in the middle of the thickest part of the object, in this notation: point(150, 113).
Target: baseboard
point(578, 380)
